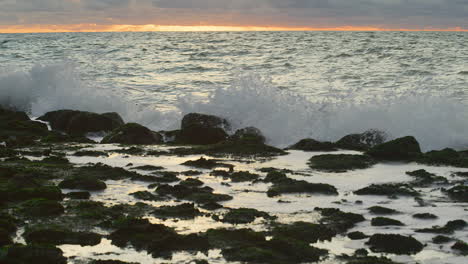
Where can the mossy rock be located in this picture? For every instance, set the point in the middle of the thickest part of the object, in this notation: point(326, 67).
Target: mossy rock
point(204, 163)
point(148, 168)
point(191, 182)
point(54, 235)
point(424, 178)
point(44, 192)
point(8, 223)
point(78, 195)
point(441, 239)
point(338, 220)
point(90, 153)
point(104, 172)
point(425, 216)
point(459, 193)
point(58, 137)
point(5, 238)
point(380, 210)
point(396, 244)
point(111, 262)
point(16, 128)
point(401, 149)
point(41, 208)
point(88, 183)
point(201, 129)
point(370, 260)
point(145, 196)
point(357, 235)
point(288, 186)
point(37, 254)
point(461, 246)
point(387, 189)
point(309, 144)
point(183, 211)
point(384, 221)
point(199, 195)
point(133, 134)
point(238, 176)
point(303, 231)
point(445, 157)
point(226, 238)
point(275, 251)
point(449, 228)
point(244, 216)
point(159, 240)
point(340, 162)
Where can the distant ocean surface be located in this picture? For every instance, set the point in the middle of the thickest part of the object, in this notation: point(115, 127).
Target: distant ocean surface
point(291, 85)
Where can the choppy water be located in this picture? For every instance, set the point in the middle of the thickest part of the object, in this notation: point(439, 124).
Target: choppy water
point(289, 84)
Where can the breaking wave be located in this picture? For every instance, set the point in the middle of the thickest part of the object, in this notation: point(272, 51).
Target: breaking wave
point(436, 120)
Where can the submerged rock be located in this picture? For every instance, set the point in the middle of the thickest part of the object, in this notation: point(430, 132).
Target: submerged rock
point(41, 208)
point(384, 221)
point(288, 185)
point(357, 235)
point(363, 141)
point(401, 149)
point(380, 210)
point(200, 129)
point(396, 244)
point(340, 162)
point(387, 189)
point(449, 228)
point(338, 220)
point(87, 183)
point(424, 178)
point(133, 134)
point(441, 239)
point(206, 163)
point(199, 195)
point(303, 231)
point(309, 144)
point(425, 216)
point(80, 122)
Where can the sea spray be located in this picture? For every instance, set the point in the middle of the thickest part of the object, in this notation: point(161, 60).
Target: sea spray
point(436, 120)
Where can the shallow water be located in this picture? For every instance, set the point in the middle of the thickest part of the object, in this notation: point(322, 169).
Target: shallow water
point(294, 207)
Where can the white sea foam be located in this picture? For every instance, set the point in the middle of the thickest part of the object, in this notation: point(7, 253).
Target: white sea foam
point(437, 121)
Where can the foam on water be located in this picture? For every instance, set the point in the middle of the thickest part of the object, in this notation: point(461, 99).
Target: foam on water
point(436, 120)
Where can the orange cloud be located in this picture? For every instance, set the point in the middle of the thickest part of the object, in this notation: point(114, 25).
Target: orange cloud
point(177, 28)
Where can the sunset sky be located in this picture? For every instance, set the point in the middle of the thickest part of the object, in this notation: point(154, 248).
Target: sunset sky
point(180, 15)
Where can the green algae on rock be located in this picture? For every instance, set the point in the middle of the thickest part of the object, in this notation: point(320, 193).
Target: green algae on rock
point(340, 162)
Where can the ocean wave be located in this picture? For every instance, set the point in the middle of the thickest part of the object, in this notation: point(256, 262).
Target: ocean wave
point(436, 120)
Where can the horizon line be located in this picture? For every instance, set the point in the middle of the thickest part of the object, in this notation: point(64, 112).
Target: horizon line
point(95, 28)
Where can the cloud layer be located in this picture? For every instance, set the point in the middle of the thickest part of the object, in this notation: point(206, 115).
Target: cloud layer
point(284, 13)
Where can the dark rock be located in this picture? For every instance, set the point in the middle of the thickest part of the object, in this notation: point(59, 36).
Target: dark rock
point(425, 216)
point(459, 193)
point(461, 247)
point(191, 182)
point(244, 216)
point(159, 240)
point(387, 189)
point(448, 157)
point(146, 196)
point(340, 162)
point(5, 238)
point(231, 148)
point(211, 206)
point(364, 259)
point(384, 221)
point(148, 168)
point(379, 210)
point(449, 228)
point(199, 195)
point(249, 135)
point(206, 163)
point(200, 129)
point(401, 149)
point(239, 176)
point(41, 208)
point(362, 141)
point(59, 137)
point(90, 153)
point(37, 254)
point(441, 239)
point(337, 220)
point(424, 178)
point(60, 236)
point(184, 211)
point(289, 185)
point(357, 235)
point(396, 244)
point(227, 238)
point(306, 232)
point(104, 172)
point(309, 144)
point(16, 128)
point(111, 262)
point(88, 183)
point(78, 195)
point(133, 134)
point(79, 122)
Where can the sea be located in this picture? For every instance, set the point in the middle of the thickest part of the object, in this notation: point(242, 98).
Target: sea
point(290, 85)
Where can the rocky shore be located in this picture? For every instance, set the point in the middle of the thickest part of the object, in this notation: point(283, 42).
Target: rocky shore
point(49, 199)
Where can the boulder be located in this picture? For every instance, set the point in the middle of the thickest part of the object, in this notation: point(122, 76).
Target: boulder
point(363, 141)
point(200, 129)
point(133, 134)
point(309, 144)
point(384, 221)
point(249, 135)
point(83, 183)
point(401, 149)
point(37, 254)
point(445, 157)
point(17, 127)
point(396, 244)
point(340, 162)
point(59, 236)
point(81, 122)
point(459, 193)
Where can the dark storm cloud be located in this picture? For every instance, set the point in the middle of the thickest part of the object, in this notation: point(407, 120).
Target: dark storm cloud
point(388, 13)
